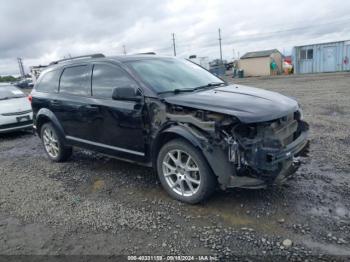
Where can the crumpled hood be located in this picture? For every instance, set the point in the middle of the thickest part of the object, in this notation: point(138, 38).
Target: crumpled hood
point(248, 104)
point(14, 105)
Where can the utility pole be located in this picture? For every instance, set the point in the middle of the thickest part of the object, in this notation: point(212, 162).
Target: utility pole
point(220, 45)
point(174, 44)
point(21, 68)
point(124, 50)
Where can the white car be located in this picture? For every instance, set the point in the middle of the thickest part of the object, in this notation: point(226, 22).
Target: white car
point(15, 110)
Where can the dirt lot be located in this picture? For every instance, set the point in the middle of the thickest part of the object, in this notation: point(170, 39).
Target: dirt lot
point(97, 205)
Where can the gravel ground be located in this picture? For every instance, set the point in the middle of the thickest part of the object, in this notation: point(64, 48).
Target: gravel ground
point(94, 205)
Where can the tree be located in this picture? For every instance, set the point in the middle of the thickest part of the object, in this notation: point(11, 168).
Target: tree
point(8, 79)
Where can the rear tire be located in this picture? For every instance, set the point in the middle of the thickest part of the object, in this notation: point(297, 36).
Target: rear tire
point(184, 172)
point(53, 144)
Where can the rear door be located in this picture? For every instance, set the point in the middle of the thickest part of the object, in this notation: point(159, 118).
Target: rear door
point(119, 125)
point(74, 95)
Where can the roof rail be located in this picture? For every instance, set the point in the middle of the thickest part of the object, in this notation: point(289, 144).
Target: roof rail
point(78, 57)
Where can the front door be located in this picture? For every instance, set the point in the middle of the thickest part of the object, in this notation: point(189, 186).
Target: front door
point(119, 125)
point(329, 59)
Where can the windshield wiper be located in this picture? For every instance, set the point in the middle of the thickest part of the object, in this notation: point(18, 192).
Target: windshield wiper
point(209, 85)
point(177, 90)
point(4, 98)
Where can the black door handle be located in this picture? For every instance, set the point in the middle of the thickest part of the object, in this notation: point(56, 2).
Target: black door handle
point(91, 108)
point(55, 102)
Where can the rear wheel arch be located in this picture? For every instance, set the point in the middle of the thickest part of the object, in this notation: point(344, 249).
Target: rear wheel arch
point(44, 116)
point(41, 120)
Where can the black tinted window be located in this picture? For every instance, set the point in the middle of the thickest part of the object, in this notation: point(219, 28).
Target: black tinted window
point(75, 81)
point(49, 82)
point(310, 54)
point(106, 77)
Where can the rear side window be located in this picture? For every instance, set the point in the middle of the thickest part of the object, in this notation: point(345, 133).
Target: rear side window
point(107, 77)
point(75, 81)
point(49, 82)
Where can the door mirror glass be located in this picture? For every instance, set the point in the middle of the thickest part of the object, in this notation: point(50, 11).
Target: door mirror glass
point(127, 93)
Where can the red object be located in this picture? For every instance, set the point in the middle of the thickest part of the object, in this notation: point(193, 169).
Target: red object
point(30, 98)
point(288, 59)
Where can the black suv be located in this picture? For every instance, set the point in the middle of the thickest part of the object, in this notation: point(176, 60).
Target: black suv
point(194, 129)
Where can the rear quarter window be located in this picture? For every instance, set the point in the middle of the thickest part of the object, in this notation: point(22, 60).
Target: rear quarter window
point(75, 81)
point(49, 82)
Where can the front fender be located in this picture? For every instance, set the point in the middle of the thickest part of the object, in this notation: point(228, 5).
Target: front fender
point(215, 155)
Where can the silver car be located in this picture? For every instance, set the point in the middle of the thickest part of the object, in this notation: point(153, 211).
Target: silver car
point(15, 110)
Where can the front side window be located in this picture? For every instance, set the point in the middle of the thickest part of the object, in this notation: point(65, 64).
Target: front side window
point(75, 81)
point(107, 77)
point(169, 74)
point(49, 82)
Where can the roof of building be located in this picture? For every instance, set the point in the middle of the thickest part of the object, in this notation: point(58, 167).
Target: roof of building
point(264, 53)
point(324, 43)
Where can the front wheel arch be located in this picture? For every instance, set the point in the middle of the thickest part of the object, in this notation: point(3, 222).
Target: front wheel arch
point(216, 157)
point(174, 132)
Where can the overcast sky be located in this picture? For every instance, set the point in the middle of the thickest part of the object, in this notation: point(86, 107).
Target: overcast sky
point(42, 31)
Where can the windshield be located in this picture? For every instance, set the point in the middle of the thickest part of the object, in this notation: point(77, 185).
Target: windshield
point(9, 92)
point(169, 74)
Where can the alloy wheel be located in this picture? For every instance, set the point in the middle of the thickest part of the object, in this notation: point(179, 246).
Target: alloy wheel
point(51, 142)
point(181, 172)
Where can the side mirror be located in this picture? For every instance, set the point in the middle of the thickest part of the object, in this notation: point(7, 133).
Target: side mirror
point(126, 93)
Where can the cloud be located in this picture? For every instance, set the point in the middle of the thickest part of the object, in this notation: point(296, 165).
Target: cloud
point(42, 31)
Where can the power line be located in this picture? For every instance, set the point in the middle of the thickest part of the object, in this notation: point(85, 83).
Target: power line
point(260, 36)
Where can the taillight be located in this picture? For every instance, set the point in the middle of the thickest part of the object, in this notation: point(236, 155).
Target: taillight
point(30, 98)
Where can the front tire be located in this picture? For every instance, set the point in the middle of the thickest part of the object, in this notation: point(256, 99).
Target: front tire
point(184, 172)
point(53, 143)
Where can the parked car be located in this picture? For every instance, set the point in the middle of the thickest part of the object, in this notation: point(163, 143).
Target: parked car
point(15, 110)
point(25, 83)
point(195, 130)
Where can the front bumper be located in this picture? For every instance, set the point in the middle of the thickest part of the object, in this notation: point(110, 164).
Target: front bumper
point(270, 157)
point(15, 127)
point(274, 166)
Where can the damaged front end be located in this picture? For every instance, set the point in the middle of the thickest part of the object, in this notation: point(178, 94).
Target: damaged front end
point(242, 155)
